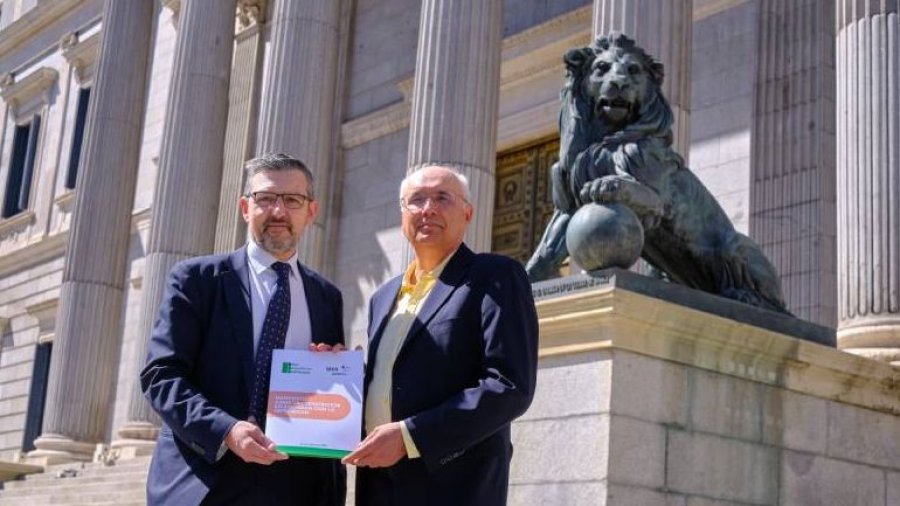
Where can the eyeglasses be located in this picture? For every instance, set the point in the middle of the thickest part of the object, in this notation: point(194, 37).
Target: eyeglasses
point(417, 201)
point(290, 200)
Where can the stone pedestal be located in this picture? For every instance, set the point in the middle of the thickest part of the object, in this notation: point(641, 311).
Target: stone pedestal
point(86, 346)
point(644, 398)
point(455, 99)
point(868, 184)
point(664, 29)
point(183, 220)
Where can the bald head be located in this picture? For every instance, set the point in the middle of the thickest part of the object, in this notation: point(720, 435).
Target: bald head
point(435, 213)
point(436, 171)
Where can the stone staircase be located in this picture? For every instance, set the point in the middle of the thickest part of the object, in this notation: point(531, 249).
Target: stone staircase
point(89, 484)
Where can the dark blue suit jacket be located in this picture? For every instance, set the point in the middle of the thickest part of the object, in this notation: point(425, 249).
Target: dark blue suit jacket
point(466, 369)
point(198, 377)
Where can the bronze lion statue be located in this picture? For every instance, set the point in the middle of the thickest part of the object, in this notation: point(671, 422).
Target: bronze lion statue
point(615, 148)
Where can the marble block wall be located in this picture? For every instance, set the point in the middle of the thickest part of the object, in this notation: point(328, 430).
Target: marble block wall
point(641, 401)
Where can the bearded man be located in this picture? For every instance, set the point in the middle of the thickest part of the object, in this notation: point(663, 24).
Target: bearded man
point(210, 353)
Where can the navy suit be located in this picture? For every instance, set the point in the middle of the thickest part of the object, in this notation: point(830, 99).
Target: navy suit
point(466, 369)
point(198, 378)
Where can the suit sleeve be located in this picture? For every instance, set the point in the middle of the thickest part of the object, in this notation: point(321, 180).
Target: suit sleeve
point(175, 343)
point(506, 386)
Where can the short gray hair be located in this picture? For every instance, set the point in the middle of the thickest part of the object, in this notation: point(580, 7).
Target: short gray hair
point(275, 162)
point(463, 180)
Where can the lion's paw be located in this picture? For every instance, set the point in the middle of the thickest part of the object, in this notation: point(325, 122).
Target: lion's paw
point(604, 190)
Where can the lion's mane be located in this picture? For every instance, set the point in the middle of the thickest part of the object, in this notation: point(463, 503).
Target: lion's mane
point(583, 134)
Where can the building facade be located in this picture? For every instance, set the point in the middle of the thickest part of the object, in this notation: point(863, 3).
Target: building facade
point(125, 126)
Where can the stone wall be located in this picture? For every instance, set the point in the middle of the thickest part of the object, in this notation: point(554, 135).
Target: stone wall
point(641, 401)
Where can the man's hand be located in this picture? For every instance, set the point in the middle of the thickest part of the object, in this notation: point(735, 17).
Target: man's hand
point(383, 447)
point(326, 347)
point(251, 445)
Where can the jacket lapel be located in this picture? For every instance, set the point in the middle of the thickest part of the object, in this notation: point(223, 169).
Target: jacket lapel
point(236, 284)
point(381, 308)
point(451, 278)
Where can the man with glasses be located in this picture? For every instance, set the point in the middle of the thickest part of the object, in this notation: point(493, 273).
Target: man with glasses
point(452, 361)
point(210, 355)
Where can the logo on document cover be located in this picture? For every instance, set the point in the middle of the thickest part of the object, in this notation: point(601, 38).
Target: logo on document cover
point(294, 368)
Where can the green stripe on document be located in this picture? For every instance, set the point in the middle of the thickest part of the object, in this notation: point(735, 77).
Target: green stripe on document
point(307, 451)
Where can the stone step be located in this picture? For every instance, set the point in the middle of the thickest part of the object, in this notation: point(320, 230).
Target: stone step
point(87, 484)
point(76, 498)
point(133, 475)
point(91, 469)
point(71, 486)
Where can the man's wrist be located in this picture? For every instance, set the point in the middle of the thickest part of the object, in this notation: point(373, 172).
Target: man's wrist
point(411, 450)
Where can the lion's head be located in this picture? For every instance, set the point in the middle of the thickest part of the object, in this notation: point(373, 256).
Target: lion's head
point(611, 96)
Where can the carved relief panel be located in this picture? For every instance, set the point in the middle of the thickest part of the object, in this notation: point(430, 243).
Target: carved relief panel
point(523, 203)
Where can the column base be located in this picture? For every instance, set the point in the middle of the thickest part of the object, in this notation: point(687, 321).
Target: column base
point(135, 439)
point(889, 355)
point(877, 342)
point(56, 449)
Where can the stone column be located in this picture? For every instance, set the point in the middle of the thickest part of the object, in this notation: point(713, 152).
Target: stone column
point(186, 198)
point(455, 99)
point(664, 29)
point(298, 98)
point(83, 369)
point(240, 132)
point(792, 180)
point(868, 178)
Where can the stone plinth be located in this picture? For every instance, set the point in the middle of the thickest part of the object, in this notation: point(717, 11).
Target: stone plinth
point(14, 470)
point(645, 401)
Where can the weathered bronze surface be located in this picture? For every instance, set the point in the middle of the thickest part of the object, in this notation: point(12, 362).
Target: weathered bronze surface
point(615, 148)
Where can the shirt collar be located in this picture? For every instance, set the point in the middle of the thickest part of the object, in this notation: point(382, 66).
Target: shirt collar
point(433, 273)
point(260, 259)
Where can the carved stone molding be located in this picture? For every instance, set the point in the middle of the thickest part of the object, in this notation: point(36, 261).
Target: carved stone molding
point(34, 84)
point(65, 201)
point(174, 6)
point(23, 29)
point(82, 54)
point(68, 40)
point(528, 40)
point(526, 57)
point(15, 224)
point(250, 13)
point(44, 313)
point(715, 7)
point(386, 121)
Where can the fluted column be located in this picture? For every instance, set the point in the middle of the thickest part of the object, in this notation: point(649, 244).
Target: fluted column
point(868, 171)
point(298, 98)
point(455, 99)
point(240, 132)
point(85, 347)
point(186, 198)
point(664, 29)
point(793, 167)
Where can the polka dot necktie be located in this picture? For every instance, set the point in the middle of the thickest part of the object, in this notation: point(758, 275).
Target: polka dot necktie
point(274, 330)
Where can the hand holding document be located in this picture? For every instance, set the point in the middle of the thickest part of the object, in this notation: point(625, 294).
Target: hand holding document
point(315, 402)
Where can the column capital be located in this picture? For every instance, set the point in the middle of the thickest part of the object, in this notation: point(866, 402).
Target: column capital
point(250, 13)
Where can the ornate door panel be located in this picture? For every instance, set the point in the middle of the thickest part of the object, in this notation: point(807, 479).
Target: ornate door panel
point(523, 203)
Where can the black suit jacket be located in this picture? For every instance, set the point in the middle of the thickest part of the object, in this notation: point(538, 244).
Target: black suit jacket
point(466, 369)
point(198, 377)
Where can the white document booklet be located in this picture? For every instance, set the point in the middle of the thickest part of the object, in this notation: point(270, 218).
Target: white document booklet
point(315, 402)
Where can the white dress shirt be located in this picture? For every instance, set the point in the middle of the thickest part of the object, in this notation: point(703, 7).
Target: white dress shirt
point(263, 281)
